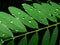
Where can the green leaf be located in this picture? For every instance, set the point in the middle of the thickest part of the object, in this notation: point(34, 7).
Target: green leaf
point(23, 41)
point(23, 17)
point(54, 36)
point(10, 43)
point(57, 8)
point(44, 8)
point(34, 40)
point(5, 32)
point(49, 8)
point(1, 41)
point(52, 10)
point(46, 38)
point(55, 4)
point(17, 21)
point(37, 15)
point(12, 23)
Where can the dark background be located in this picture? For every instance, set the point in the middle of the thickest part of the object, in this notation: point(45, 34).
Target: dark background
point(4, 4)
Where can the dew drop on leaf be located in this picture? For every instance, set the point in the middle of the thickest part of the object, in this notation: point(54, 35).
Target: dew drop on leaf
point(29, 21)
point(0, 21)
point(16, 30)
point(31, 18)
point(54, 12)
point(11, 22)
point(12, 14)
point(17, 18)
point(57, 9)
point(23, 18)
point(39, 11)
point(30, 9)
point(41, 18)
point(25, 10)
point(44, 18)
point(18, 12)
point(3, 35)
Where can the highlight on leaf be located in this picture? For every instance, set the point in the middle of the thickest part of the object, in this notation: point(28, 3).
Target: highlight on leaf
point(12, 22)
point(18, 20)
point(23, 17)
point(5, 32)
point(35, 14)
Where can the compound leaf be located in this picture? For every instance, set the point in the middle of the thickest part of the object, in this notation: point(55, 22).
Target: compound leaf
point(54, 36)
point(5, 32)
point(44, 8)
point(23, 17)
point(35, 14)
point(46, 38)
point(13, 23)
point(34, 40)
point(23, 41)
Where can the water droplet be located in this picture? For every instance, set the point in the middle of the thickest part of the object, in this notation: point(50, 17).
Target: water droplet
point(23, 4)
point(30, 9)
point(31, 18)
point(17, 18)
point(41, 18)
point(29, 21)
point(18, 12)
point(11, 22)
point(54, 12)
point(25, 10)
point(39, 11)
point(12, 14)
point(44, 18)
point(57, 9)
point(3, 35)
point(23, 18)
point(16, 30)
point(0, 21)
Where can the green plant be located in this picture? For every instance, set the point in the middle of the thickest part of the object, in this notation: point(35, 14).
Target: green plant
point(18, 19)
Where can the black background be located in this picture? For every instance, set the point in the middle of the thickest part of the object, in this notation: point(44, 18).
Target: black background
point(4, 4)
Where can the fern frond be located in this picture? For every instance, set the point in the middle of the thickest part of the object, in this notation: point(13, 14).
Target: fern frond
point(23, 17)
point(12, 22)
point(16, 22)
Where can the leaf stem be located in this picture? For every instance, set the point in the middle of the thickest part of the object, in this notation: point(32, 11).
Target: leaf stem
point(33, 31)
